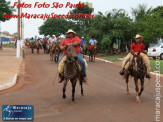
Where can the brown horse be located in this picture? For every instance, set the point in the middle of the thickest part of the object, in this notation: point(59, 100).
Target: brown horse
point(56, 52)
point(72, 72)
point(92, 52)
point(38, 47)
point(137, 70)
point(84, 50)
point(52, 48)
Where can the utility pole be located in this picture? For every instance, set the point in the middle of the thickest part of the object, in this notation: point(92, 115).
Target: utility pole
point(0, 31)
point(18, 27)
point(18, 31)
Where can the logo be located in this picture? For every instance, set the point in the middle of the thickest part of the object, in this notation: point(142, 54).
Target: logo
point(17, 112)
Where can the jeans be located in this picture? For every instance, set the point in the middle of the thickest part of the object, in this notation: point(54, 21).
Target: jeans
point(81, 61)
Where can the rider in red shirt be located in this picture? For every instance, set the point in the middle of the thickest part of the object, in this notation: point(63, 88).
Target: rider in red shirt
point(75, 41)
point(136, 47)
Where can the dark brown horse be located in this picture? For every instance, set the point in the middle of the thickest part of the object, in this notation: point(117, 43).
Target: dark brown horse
point(32, 45)
point(72, 72)
point(137, 70)
point(38, 47)
point(92, 53)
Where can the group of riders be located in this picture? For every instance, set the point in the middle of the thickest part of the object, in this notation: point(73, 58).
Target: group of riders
point(71, 39)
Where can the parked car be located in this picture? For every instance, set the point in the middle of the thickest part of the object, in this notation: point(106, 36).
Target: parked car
point(156, 51)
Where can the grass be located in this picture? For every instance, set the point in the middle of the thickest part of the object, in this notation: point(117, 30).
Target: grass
point(9, 45)
point(153, 66)
point(152, 62)
point(113, 58)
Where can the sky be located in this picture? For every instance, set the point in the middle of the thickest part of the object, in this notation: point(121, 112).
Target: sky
point(31, 25)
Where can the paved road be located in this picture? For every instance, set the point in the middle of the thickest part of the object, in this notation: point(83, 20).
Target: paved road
point(105, 98)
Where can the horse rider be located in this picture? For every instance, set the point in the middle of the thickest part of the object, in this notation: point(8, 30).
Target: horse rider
point(58, 39)
point(32, 41)
point(75, 41)
point(52, 40)
point(136, 47)
point(92, 43)
point(62, 37)
point(83, 42)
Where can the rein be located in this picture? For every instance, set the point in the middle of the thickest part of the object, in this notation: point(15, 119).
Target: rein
point(74, 72)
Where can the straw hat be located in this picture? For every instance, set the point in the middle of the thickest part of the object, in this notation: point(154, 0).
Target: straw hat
point(53, 35)
point(138, 36)
point(71, 31)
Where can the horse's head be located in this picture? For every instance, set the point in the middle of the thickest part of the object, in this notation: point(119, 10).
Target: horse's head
point(53, 47)
point(71, 53)
point(137, 61)
point(57, 48)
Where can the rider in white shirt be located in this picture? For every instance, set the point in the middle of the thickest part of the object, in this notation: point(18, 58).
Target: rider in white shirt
point(92, 41)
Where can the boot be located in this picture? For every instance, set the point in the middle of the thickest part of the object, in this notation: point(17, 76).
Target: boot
point(148, 75)
point(122, 72)
point(85, 79)
point(60, 79)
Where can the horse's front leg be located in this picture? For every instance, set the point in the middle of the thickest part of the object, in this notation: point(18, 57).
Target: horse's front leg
point(94, 58)
point(89, 57)
point(73, 82)
point(137, 90)
point(142, 86)
point(64, 89)
point(57, 58)
point(81, 85)
point(128, 93)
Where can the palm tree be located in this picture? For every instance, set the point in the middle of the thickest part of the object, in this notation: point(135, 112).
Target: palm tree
point(141, 11)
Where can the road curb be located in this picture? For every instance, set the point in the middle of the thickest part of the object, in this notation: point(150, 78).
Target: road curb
point(101, 59)
point(10, 84)
point(153, 73)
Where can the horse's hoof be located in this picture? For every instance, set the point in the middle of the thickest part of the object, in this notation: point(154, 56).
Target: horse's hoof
point(64, 96)
point(138, 100)
point(82, 95)
point(139, 94)
point(128, 93)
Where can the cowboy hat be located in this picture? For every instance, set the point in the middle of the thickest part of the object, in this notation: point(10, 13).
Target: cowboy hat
point(71, 31)
point(138, 36)
point(53, 35)
point(82, 37)
point(62, 36)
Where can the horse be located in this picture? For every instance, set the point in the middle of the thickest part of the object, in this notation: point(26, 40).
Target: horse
point(1, 45)
point(137, 70)
point(92, 52)
point(84, 50)
point(38, 47)
point(52, 48)
point(56, 52)
point(72, 72)
point(44, 47)
point(32, 45)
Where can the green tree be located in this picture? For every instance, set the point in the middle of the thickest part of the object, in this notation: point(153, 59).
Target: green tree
point(55, 26)
point(5, 8)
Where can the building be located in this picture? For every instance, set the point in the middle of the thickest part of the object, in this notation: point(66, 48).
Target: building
point(88, 4)
point(7, 38)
